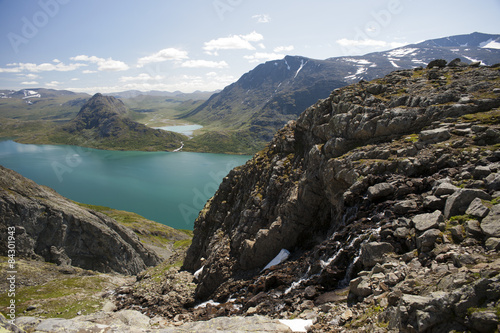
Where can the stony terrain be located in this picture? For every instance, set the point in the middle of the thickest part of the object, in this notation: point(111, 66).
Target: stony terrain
point(387, 187)
point(385, 196)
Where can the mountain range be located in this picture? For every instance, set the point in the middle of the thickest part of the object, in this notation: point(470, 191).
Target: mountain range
point(270, 95)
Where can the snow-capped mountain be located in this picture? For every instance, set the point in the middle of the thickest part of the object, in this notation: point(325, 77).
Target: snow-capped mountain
point(273, 93)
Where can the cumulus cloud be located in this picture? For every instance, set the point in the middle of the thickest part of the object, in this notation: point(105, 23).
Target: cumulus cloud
point(163, 55)
point(107, 65)
point(262, 18)
point(52, 84)
point(263, 56)
point(44, 67)
point(204, 63)
point(29, 83)
point(141, 78)
point(233, 42)
point(284, 48)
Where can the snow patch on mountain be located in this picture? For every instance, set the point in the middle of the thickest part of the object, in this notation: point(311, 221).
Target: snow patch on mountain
point(490, 44)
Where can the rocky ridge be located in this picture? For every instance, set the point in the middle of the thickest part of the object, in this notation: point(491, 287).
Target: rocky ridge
point(103, 122)
point(54, 229)
point(388, 188)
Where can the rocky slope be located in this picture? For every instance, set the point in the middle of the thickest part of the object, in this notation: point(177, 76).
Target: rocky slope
point(389, 188)
point(55, 229)
point(267, 97)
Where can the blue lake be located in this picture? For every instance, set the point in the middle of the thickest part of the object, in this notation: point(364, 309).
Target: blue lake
point(170, 188)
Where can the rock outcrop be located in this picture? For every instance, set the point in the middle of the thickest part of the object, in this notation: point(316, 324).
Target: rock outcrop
point(378, 174)
point(103, 122)
point(50, 227)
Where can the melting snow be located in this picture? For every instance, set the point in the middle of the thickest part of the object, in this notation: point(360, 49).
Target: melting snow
point(282, 256)
point(473, 60)
point(287, 65)
point(490, 44)
point(401, 52)
point(358, 61)
point(198, 273)
point(302, 64)
point(204, 304)
point(297, 325)
point(393, 63)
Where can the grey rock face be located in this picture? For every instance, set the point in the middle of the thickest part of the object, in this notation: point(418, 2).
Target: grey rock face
point(52, 227)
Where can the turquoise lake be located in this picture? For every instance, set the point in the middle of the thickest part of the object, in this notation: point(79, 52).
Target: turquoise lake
point(170, 188)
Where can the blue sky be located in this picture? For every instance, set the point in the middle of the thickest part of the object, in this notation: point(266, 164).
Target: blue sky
point(187, 45)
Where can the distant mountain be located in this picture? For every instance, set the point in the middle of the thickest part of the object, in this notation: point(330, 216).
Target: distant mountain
point(273, 93)
point(103, 122)
point(177, 94)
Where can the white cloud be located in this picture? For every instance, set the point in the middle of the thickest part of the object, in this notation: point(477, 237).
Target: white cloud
point(141, 78)
point(107, 65)
point(29, 83)
point(262, 18)
point(233, 42)
point(163, 55)
point(56, 61)
point(204, 63)
point(284, 48)
point(75, 79)
point(88, 71)
point(45, 67)
point(52, 84)
point(263, 56)
point(368, 43)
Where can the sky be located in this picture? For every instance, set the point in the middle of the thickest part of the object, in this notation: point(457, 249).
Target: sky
point(187, 45)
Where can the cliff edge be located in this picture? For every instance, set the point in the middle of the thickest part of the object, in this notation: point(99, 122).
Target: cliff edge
point(55, 229)
point(378, 176)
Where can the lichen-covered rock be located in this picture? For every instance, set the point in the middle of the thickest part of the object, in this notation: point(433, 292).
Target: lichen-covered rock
point(330, 181)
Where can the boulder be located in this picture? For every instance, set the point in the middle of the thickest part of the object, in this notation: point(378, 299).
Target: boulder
point(374, 253)
point(458, 202)
point(491, 223)
point(360, 286)
point(481, 172)
point(457, 62)
point(493, 182)
point(473, 229)
point(380, 190)
point(434, 135)
point(440, 63)
point(492, 243)
point(427, 240)
point(425, 222)
point(477, 209)
point(445, 188)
